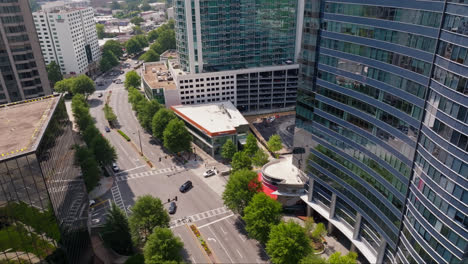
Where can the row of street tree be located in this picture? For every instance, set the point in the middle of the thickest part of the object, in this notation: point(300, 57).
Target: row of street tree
point(286, 242)
point(147, 230)
point(154, 118)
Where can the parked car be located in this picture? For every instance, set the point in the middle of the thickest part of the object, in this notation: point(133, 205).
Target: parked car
point(186, 186)
point(209, 173)
point(91, 203)
point(107, 129)
point(115, 167)
point(172, 208)
point(99, 95)
point(100, 84)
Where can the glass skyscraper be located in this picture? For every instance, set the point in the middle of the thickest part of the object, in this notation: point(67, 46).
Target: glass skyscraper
point(382, 117)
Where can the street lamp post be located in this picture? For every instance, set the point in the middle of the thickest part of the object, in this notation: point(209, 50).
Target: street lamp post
point(139, 139)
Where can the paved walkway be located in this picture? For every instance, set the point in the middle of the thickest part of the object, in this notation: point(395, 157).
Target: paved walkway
point(18, 255)
point(105, 183)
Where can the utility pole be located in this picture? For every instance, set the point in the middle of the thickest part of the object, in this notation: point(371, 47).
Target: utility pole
point(139, 139)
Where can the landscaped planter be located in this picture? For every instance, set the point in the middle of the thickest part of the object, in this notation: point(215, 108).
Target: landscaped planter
point(200, 238)
point(319, 247)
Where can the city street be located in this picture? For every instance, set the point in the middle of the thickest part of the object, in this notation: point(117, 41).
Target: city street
point(201, 205)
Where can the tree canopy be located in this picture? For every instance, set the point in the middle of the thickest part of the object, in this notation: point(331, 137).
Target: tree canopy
point(147, 112)
point(109, 113)
point(104, 152)
point(260, 215)
point(114, 46)
point(108, 61)
point(132, 79)
point(337, 258)
point(162, 246)
point(116, 231)
point(137, 20)
point(160, 121)
point(288, 243)
point(82, 84)
point(274, 143)
point(53, 73)
point(147, 213)
point(150, 56)
point(241, 160)
point(64, 85)
point(176, 137)
point(260, 158)
point(228, 150)
point(100, 31)
point(250, 145)
point(240, 189)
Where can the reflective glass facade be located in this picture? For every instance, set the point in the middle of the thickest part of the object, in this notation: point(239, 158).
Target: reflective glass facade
point(382, 115)
point(43, 201)
point(219, 35)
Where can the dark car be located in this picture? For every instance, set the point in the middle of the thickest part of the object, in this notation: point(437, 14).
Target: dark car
point(107, 129)
point(172, 208)
point(186, 186)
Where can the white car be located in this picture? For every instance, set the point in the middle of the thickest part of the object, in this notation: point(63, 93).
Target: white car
point(115, 167)
point(209, 173)
point(91, 203)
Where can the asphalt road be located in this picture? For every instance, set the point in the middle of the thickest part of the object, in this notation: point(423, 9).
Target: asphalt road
point(201, 205)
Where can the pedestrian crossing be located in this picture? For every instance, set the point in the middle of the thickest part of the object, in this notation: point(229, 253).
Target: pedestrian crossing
point(116, 195)
point(199, 216)
point(148, 173)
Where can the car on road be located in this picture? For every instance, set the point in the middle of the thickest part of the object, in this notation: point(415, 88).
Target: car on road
point(107, 129)
point(172, 208)
point(209, 173)
point(122, 72)
point(91, 203)
point(100, 84)
point(115, 167)
point(99, 95)
point(186, 186)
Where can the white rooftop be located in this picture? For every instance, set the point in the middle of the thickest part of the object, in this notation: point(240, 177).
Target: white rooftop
point(283, 169)
point(215, 117)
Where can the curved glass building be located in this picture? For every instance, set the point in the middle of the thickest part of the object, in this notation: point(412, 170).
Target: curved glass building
point(382, 117)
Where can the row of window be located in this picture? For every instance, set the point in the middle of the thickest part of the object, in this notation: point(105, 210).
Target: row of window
point(363, 158)
point(449, 107)
point(417, 248)
point(12, 19)
point(394, 101)
point(361, 203)
point(362, 174)
point(447, 185)
point(366, 143)
point(458, 139)
point(457, 24)
point(440, 227)
point(453, 52)
point(411, 16)
point(376, 74)
point(397, 37)
point(403, 61)
point(370, 235)
point(444, 157)
point(451, 80)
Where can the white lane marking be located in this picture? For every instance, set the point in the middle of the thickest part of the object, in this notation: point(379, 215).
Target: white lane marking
point(179, 235)
point(242, 237)
point(221, 245)
point(117, 196)
point(221, 219)
point(239, 253)
point(223, 230)
point(196, 217)
point(193, 260)
point(130, 169)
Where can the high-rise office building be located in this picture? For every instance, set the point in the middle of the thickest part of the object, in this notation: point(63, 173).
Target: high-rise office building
point(382, 131)
point(243, 51)
point(22, 71)
point(43, 200)
point(68, 36)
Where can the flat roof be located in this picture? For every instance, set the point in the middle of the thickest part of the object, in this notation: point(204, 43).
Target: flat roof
point(213, 118)
point(22, 124)
point(283, 169)
point(150, 75)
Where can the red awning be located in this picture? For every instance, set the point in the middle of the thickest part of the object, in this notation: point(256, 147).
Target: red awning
point(265, 189)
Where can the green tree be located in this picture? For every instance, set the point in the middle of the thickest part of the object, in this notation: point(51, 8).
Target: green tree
point(240, 160)
point(228, 150)
point(83, 85)
point(132, 79)
point(150, 56)
point(142, 40)
point(337, 258)
point(83, 119)
point(64, 85)
point(250, 145)
point(115, 5)
point(260, 215)
point(260, 158)
point(162, 246)
point(114, 46)
point(54, 73)
point(133, 46)
point(100, 31)
point(171, 23)
point(318, 232)
point(160, 121)
point(167, 40)
point(157, 47)
point(137, 20)
point(313, 259)
point(147, 113)
point(147, 213)
point(145, 6)
point(89, 134)
point(176, 137)
point(288, 243)
point(240, 188)
point(108, 61)
point(274, 143)
point(89, 167)
point(103, 151)
point(116, 231)
point(152, 35)
point(134, 97)
point(109, 113)
point(137, 31)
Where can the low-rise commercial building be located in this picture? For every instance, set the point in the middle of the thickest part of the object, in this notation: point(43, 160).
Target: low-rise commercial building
point(211, 125)
point(43, 200)
point(157, 83)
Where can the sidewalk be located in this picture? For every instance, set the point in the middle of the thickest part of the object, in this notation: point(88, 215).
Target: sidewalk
point(104, 186)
